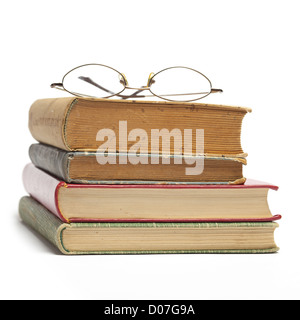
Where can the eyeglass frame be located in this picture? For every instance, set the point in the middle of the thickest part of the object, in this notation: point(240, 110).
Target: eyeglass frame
point(124, 82)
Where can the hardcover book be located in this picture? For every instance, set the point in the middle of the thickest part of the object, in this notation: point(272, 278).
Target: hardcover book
point(73, 124)
point(149, 202)
point(148, 238)
point(83, 167)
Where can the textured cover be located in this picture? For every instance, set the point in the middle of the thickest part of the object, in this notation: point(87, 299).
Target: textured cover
point(50, 227)
point(53, 160)
point(45, 188)
point(58, 163)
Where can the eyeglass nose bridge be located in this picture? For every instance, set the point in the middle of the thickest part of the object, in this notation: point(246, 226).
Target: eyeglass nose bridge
point(144, 88)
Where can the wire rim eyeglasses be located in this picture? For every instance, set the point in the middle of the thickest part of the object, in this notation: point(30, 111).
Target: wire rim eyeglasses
point(171, 84)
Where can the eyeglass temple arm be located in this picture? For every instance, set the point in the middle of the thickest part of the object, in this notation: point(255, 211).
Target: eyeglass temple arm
point(135, 94)
point(58, 86)
point(216, 90)
point(90, 81)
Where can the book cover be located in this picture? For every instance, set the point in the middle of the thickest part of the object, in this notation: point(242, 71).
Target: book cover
point(148, 238)
point(149, 202)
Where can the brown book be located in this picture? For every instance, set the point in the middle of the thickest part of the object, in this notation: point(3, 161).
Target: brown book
point(72, 124)
point(82, 167)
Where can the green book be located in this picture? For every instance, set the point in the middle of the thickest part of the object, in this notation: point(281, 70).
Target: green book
point(148, 238)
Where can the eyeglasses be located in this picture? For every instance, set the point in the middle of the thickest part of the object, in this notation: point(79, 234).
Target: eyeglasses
point(171, 84)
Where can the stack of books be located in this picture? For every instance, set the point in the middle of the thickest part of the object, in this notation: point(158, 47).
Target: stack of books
point(128, 177)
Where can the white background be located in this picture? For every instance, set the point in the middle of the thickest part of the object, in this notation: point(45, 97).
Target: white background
point(248, 48)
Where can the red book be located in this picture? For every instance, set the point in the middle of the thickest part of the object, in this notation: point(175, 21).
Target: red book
point(149, 202)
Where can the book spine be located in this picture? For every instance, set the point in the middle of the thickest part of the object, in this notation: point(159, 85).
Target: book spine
point(52, 160)
point(42, 221)
point(44, 188)
point(47, 121)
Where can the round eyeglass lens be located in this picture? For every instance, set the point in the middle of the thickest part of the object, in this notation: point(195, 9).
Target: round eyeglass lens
point(180, 84)
point(95, 81)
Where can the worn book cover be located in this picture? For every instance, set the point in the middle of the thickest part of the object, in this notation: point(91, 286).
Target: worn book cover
point(149, 202)
point(73, 124)
point(148, 238)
